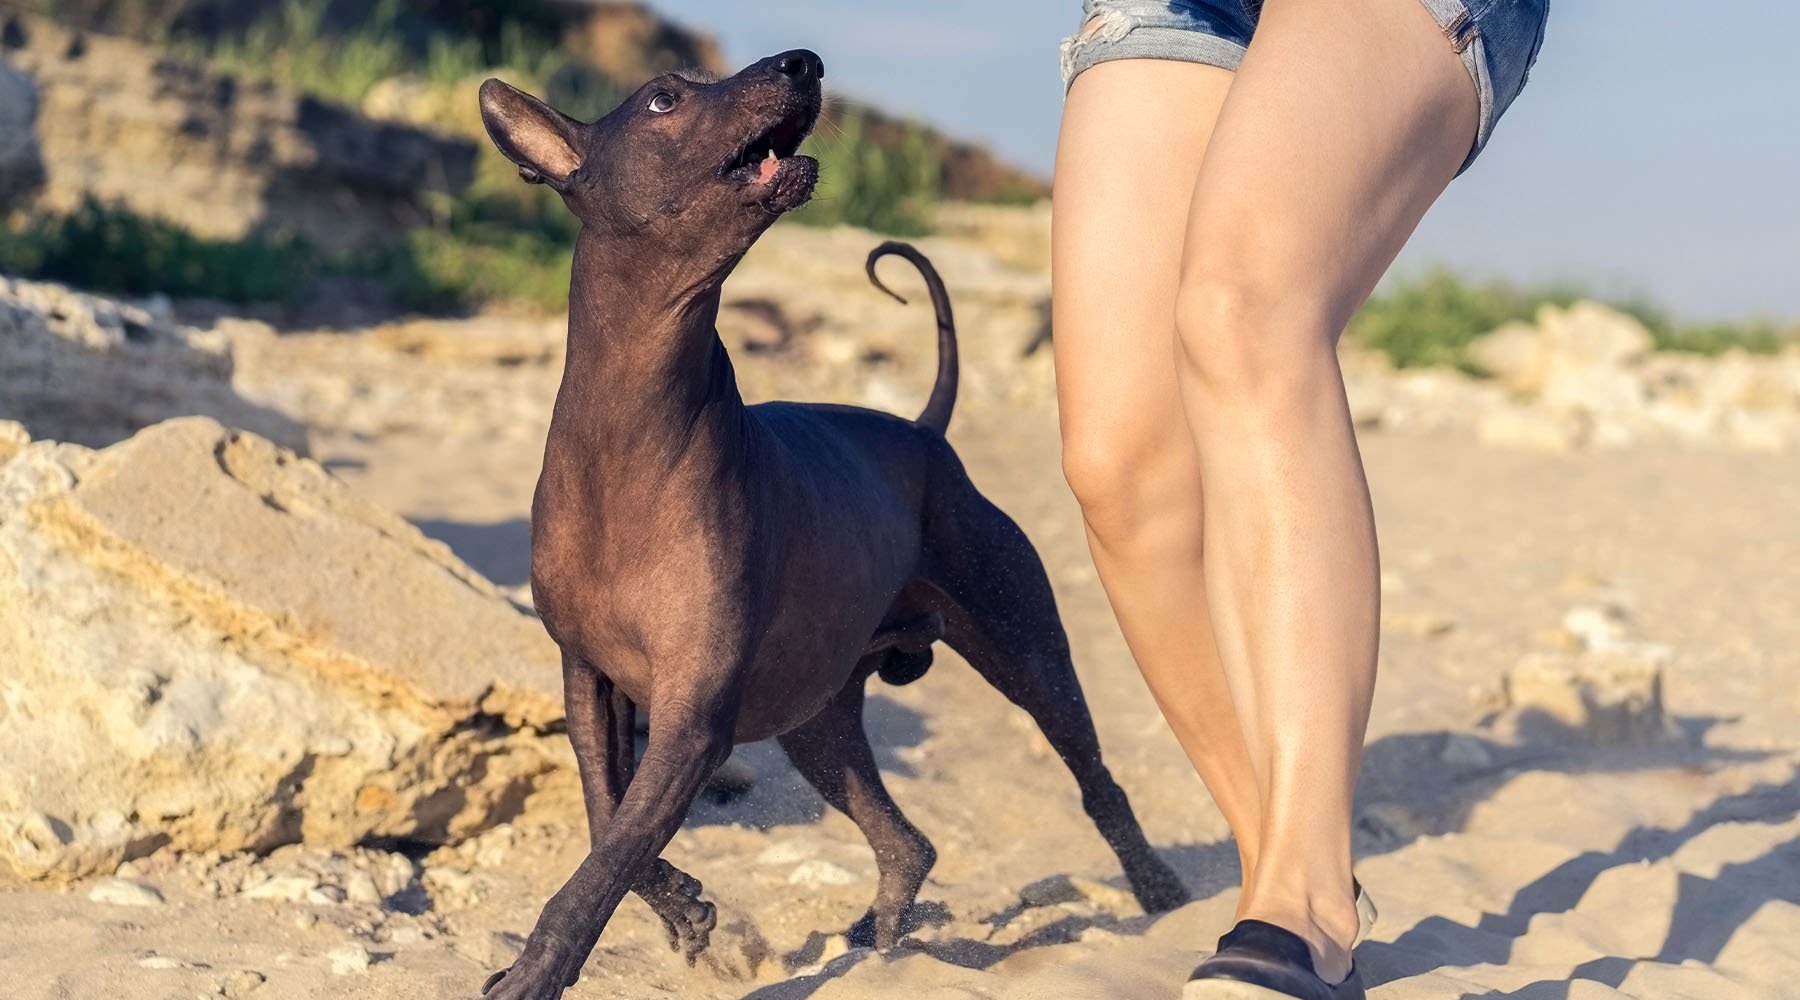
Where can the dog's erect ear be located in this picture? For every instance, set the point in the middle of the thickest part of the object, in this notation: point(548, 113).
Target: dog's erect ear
point(544, 142)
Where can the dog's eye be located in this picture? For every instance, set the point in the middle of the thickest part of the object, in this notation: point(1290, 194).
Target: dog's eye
point(662, 104)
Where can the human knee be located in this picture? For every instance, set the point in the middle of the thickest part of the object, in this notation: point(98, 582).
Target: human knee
point(1117, 473)
point(1246, 341)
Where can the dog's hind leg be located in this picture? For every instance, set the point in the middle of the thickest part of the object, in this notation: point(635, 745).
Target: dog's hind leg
point(831, 751)
point(1002, 619)
point(600, 720)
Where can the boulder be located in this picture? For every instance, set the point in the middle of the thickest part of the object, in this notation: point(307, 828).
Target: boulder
point(220, 156)
point(1576, 375)
point(1604, 697)
point(92, 370)
point(1581, 337)
point(209, 643)
point(1590, 335)
point(1515, 355)
point(21, 169)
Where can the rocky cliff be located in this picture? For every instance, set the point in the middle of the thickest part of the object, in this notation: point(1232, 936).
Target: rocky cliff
point(222, 157)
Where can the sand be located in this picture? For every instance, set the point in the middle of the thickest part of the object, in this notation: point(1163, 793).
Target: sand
point(1534, 868)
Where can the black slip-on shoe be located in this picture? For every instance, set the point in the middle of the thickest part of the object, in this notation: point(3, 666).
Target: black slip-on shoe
point(1260, 961)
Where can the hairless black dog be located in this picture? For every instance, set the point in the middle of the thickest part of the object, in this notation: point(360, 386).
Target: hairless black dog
point(740, 571)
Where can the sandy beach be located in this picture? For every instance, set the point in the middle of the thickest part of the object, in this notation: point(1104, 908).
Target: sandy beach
point(1641, 843)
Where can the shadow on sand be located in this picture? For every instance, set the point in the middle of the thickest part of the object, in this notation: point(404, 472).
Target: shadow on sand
point(1408, 769)
point(1708, 911)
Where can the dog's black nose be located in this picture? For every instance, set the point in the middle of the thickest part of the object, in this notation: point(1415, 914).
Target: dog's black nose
point(800, 64)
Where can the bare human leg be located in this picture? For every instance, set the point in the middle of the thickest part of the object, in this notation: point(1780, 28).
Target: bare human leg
point(1345, 122)
point(1134, 133)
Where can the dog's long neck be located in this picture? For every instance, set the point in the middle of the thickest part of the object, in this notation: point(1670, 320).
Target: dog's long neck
point(646, 380)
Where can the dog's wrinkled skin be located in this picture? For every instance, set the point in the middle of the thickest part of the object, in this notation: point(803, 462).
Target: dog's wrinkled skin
point(741, 571)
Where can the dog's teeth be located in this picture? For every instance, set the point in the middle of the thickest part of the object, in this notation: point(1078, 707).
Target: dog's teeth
point(771, 155)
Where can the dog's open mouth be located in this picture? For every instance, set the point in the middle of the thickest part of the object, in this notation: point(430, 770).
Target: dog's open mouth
point(768, 165)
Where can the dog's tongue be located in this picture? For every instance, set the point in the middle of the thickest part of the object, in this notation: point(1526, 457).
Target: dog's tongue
point(767, 168)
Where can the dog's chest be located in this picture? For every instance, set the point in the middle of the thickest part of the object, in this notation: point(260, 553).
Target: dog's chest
point(618, 598)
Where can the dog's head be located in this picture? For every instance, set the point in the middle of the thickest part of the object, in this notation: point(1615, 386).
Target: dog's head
point(699, 166)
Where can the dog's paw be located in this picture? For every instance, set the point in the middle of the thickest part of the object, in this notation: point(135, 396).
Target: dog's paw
point(528, 981)
point(689, 927)
point(687, 919)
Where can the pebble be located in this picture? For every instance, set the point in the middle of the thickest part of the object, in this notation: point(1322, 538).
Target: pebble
point(347, 960)
point(1600, 629)
point(818, 872)
point(124, 892)
point(454, 888)
point(360, 887)
point(1050, 891)
point(289, 888)
point(241, 983)
point(787, 852)
point(162, 962)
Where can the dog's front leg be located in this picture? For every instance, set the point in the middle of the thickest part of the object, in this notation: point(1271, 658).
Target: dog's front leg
point(600, 718)
point(686, 746)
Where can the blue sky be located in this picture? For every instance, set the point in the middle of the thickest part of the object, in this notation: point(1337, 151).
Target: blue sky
point(1656, 151)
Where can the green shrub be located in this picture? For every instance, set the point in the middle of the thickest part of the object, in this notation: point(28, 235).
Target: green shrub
point(861, 184)
point(1756, 336)
point(108, 248)
point(437, 271)
point(1430, 320)
point(293, 48)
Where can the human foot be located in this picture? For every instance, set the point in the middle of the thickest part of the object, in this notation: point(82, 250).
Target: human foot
point(1260, 961)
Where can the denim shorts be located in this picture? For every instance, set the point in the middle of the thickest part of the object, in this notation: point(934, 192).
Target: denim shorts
point(1497, 39)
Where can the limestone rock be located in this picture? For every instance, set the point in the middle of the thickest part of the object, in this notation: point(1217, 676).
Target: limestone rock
point(1613, 697)
point(1584, 377)
point(1583, 337)
point(1514, 355)
point(221, 156)
point(1602, 628)
point(21, 167)
point(819, 872)
point(349, 959)
point(1590, 335)
point(211, 644)
point(13, 439)
point(92, 370)
point(124, 892)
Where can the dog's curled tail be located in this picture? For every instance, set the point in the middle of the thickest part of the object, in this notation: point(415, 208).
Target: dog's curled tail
point(936, 414)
